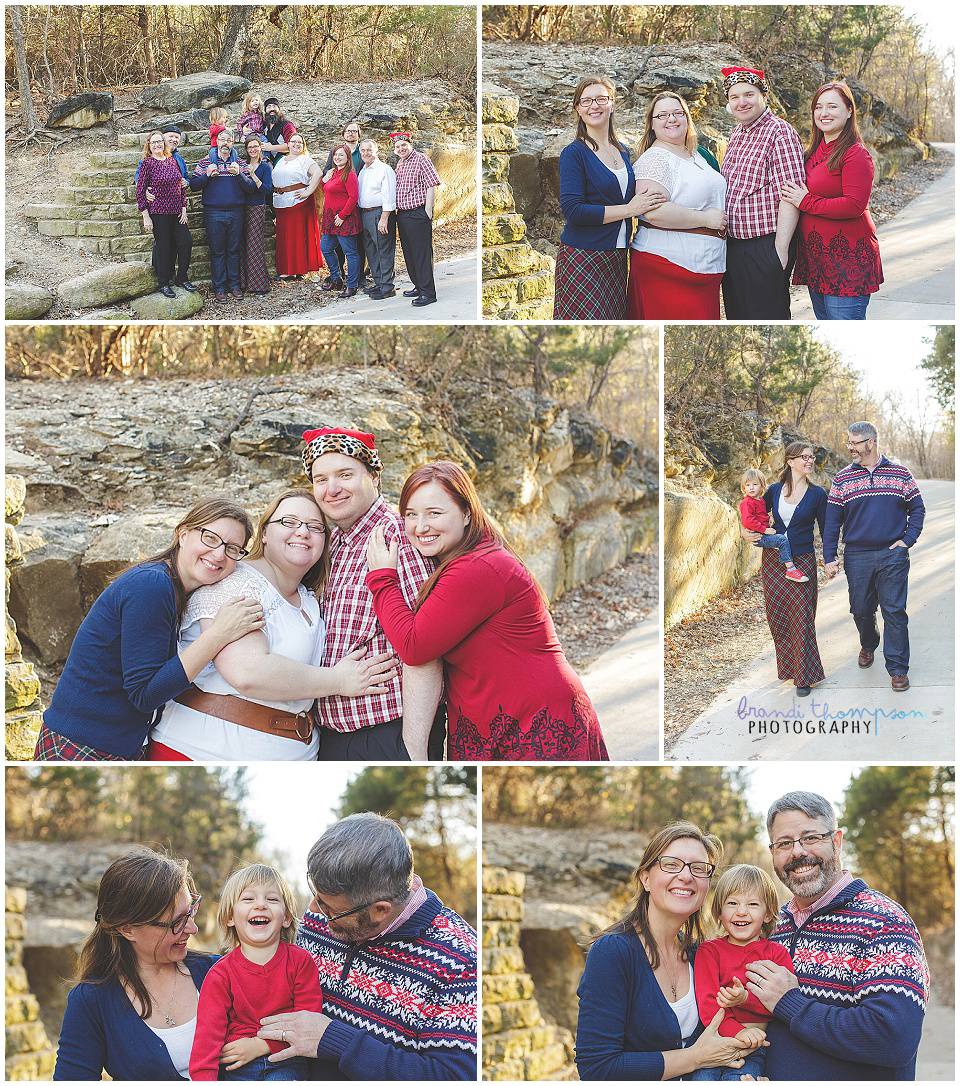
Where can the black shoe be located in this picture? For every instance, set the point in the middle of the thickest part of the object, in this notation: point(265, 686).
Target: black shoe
point(423, 300)
point(187, 285)
point(413, 293)
point(371, 289)
point(803, 691)
point(167, 291)
point(333, 284)
point(379, 295)
point(347, 292)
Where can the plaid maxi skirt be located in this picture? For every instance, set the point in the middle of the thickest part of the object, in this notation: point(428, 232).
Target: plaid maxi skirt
point(54, 747)
point(254, 277)
point(591, 285)
point(792, 613)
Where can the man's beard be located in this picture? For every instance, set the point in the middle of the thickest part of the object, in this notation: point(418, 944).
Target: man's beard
point(813, 885)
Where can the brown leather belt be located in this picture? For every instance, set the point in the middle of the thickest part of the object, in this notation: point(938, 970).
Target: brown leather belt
point(248, 714)
point(287, 188)
point(722, 234)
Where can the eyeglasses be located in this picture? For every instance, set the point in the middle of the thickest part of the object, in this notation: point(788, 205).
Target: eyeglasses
point(213, 541)
point(674, 114)
point(176, 926)
point(292, 522)
point(854, 444)
point(698, 868)
point(806, 456)
point(601, 100)
point(808, 840)
point(323, 911)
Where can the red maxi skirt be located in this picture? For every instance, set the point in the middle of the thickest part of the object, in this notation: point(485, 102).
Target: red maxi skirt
point(660, 290)
point(298, 239)
point(791, 614)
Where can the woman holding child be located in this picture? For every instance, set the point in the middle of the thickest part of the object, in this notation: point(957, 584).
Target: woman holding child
point(796, 505)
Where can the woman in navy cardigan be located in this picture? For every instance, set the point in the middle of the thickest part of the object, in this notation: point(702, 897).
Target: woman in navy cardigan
point(638, 1014)
point(133, 1011)
point(796, 505)
point(599, 200)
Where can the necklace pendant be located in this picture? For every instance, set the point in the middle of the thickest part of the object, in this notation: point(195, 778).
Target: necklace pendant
point(170, 1021)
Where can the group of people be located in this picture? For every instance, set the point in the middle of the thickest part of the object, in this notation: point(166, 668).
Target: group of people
point(337, 629)
point(694, 228)
point(377, 982)
point(874, 505)
point(830, 987)
point(261, 167)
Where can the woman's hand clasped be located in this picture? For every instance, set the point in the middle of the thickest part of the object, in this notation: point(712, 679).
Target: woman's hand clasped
point(793, 193)
point(646, 201)
point(712, 1050)
point(358, 674)
point(715, 218)
point(236, 618)
point(380, 554)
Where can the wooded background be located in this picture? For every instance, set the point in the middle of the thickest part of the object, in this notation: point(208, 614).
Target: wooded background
point(785, 373)
point(613, 371)
point(881, 45)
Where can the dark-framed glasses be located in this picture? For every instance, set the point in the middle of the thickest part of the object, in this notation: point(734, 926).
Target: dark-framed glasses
point(673, 866)
point(312, 526)
point(808, 840)
point(180, 922)
point(674, 114)
point(214, 542)
point(323, 911)
point(854, 444)
point(600, 99)
point(808, 457)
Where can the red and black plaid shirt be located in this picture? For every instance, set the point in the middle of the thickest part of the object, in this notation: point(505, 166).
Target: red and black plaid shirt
point(759, 159)
point(350, 618)
point(415, 174)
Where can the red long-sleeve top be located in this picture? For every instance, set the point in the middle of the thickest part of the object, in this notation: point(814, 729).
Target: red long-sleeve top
point(754, 514)
point(838, 253)
point(340, 198)
point(716, 963)
point(236, 993)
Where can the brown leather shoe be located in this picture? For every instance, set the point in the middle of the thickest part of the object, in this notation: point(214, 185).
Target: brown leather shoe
point(865, 659)
point(900, 682)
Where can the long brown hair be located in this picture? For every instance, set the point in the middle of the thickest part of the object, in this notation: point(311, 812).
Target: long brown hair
point(582, 134)
point(317, 573)
point(203, 513)
point(847, 138)
point(637, 916)
point(342, 172)
point(648, 138)
point(795, 448)
point(138, 888)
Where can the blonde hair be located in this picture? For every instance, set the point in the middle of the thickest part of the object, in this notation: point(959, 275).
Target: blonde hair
point(248, 98)
point(217, 115)
point(147, 153)
point(753, 475)
point(233, 888)
point(744, 878)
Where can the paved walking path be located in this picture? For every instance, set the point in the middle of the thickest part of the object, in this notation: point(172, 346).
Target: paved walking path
point(917, 252)
point(456, 281)
point(935, 1059)
point(758, 717)
point(624, 686)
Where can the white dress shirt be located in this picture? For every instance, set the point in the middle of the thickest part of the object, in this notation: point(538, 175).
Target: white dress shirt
point(378, 186)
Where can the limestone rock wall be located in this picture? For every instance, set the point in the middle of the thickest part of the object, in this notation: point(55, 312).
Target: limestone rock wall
point(518, 1044)
point(517, 280)
point(29, 1053)
point(21, 684)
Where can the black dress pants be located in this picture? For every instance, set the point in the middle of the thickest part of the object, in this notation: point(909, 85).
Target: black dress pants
point(756, 286)
point(415, 228)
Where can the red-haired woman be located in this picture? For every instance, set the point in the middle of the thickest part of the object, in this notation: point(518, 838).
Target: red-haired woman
point(511, 694)
point(838, 256)
point(340, 223)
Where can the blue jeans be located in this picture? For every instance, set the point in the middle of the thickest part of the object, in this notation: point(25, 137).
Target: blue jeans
point(752, 1065)
point(348, 243)
point(778, 541)
point(261, 1070)
point(879, 579)
point(224, 229)
point(830, 307)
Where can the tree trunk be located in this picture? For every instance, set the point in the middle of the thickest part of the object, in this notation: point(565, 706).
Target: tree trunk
point(143, 21)
point(234, 39)
point(27, 116)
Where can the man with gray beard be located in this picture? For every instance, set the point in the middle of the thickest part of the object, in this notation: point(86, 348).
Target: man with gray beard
point(854, 1008)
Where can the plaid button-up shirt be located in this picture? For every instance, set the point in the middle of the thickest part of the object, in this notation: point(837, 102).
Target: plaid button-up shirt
point(351, 620)
point(415, 174)
point(759, 159)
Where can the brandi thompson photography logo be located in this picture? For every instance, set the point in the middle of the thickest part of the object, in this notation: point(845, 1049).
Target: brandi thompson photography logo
point(815, 717)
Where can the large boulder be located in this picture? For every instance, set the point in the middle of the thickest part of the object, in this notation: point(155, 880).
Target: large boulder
point(26, 301)
point(113, 283)
point(157, 307)
point(190, 120)
point(82, 110)
point(202, 90)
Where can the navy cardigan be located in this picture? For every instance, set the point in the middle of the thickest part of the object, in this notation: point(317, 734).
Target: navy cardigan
point(586, 188)
point(102, 1032)
point(811, 508)
point(624, 1022)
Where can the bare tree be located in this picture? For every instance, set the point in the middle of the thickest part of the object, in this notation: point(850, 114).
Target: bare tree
point(235, 38)
point(27, 115)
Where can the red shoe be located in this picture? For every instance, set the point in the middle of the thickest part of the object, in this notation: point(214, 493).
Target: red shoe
point(795, 575)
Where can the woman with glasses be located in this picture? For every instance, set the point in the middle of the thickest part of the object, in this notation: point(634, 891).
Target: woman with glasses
point(599, 200)
point(796, 505)
point(679, 252)
point(133, 1010)
point(255, 700)
point(638, 1012)
point(124, 662)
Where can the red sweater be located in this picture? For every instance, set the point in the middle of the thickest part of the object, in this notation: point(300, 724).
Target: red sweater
point(754, 514)
point(236, 993)
point(340, 198)
point(715, 965)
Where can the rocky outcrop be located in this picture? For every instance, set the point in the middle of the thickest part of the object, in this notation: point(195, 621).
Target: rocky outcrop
point(114, 283)
point(25, 301)
point(543, 76)
point(29, 1053)
point(200, 90)
point(107, 472)
point(518, 1044)
point(82, 110)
